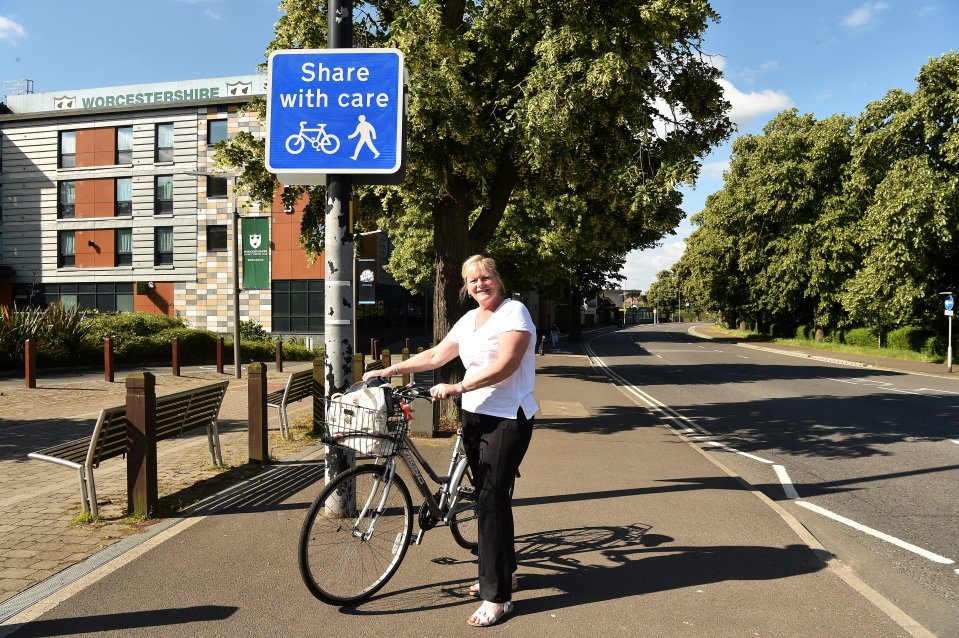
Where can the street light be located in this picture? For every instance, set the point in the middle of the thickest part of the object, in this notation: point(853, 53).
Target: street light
point(235, 233)
point(949, 302)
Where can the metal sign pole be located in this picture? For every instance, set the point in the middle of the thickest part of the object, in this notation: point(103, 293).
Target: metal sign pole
point(339, 315)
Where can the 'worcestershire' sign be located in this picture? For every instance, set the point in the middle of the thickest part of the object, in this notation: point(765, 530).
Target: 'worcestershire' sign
point(334, 111)
point(162, 94)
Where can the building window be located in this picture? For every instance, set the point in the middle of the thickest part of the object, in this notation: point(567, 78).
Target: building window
point(68, 149)
point(164, 143)
point(298, 305)
point(66, 252)
point(216, 131)
point(124, 243)
point(163, 245)
point(125, 145)
point(1, 245)
point(216, 240)
point(66, 199)
point(163, 194)
point(216, 187)
point(124, 197)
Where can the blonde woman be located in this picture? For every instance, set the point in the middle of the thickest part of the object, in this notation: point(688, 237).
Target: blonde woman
point(495, 342)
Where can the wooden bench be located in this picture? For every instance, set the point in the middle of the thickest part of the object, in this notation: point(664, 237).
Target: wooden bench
point(298, 386)
point(175, 414)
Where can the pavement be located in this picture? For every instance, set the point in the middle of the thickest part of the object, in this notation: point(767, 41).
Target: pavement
point(622, 527)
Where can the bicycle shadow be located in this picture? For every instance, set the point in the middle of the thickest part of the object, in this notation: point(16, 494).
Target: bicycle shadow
point(580, 566)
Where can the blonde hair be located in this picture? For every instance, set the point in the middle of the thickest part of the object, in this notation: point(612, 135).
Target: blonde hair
point(481, 262)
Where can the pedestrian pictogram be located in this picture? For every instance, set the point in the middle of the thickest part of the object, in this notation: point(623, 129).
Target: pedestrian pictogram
point(334, 111)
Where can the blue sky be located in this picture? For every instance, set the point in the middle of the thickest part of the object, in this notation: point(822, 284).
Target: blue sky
point(821, 56)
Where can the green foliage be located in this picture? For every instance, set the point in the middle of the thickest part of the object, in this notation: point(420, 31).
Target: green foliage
point(863, 337)
point(508, 104)
point(838, 222)
point(908, 338)
point(252, 331)
point(935, 347)
point(804, 332)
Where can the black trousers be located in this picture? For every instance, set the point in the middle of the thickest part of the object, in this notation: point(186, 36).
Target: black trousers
point(494, 449)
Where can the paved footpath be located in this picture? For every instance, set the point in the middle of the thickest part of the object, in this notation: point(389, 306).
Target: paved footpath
point(622, 526)
point(39, 500)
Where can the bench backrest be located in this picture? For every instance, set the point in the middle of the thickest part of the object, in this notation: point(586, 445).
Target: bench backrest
point(189, 409)
point(299, 386)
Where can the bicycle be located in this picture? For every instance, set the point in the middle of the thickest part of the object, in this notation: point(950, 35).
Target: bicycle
point(322, 141)
point(359, 527)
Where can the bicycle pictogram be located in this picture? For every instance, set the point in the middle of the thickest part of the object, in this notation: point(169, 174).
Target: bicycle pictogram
point(322, 141)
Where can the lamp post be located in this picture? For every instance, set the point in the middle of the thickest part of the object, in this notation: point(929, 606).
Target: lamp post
point(234, 238)
point(948, 304)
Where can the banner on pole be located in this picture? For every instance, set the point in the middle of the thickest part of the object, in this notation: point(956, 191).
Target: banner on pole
point(256, 253)
point(367, 278)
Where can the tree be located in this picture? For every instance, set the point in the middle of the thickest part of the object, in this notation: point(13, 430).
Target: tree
point(524, 100)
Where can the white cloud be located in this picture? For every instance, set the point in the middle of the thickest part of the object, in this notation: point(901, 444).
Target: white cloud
point(865, 15)
point(642, 266)
point(10, 30)
point(715, 170)
point(748, 106)
point(213, 15)
point(923, 11)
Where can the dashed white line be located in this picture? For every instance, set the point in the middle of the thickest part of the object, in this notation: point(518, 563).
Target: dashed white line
point(787, 483)
point(936, 558)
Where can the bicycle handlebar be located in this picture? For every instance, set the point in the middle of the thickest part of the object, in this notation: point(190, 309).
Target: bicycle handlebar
point(409, 391)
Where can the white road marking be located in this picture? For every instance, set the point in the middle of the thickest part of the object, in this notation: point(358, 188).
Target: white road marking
point(741, 356)
point(787, 483)
point(936, 558)
point(956, 441)
point(735, 451)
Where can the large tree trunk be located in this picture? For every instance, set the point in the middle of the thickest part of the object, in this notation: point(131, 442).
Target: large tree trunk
point(450, 243)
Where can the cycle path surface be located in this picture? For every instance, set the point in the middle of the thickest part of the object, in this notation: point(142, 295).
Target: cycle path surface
point(621, 528)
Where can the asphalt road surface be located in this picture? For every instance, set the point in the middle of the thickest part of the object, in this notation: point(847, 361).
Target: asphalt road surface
point(867, 460)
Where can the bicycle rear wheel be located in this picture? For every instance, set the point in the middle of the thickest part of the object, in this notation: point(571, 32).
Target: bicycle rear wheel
point(342, 560)
point(463, 524)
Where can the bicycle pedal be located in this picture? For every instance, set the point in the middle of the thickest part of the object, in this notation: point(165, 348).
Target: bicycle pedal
point(419, 537)
point(466, 490)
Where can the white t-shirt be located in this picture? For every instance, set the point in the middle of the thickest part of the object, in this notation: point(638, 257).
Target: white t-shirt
point(479, 347)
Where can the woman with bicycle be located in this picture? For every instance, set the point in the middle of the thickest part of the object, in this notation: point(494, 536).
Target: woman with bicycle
point(495, 343)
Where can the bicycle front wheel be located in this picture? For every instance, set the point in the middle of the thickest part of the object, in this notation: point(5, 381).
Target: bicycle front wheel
point(463, 524)
point(355, 535)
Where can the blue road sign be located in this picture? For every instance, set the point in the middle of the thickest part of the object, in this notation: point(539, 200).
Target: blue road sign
point(949, 302)
point(334, 111)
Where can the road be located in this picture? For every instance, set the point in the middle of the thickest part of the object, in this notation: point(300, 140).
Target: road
point(867, 460)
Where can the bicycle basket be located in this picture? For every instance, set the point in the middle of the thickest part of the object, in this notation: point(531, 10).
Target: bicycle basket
point(359, 421)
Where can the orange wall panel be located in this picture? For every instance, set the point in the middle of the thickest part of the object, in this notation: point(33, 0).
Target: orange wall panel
point(86, 147)
point(104, 197)
point(159, 300)
point(85, 198)
point(95, 248)
point(105, 146)
point(6, 294)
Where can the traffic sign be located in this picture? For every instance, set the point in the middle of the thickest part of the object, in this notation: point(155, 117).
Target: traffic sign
point(949, 302)
point(334, 111)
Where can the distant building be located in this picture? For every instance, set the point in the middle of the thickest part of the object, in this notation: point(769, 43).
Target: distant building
point(101, 206)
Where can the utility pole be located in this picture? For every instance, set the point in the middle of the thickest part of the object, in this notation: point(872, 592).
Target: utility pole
point(340, 312)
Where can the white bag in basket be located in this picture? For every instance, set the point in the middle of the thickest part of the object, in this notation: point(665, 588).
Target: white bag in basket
point(356, 413)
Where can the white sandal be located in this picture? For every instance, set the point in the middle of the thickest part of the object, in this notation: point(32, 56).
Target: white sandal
point(482, 618)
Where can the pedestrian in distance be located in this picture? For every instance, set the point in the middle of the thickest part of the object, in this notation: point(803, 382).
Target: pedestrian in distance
point(554, 335)
point(496, 342)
